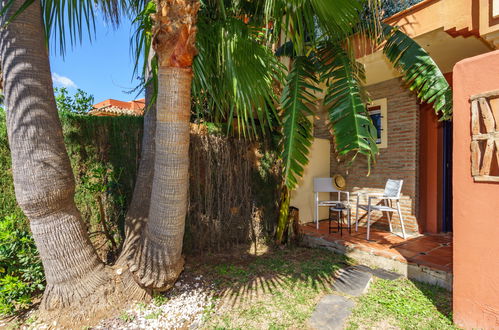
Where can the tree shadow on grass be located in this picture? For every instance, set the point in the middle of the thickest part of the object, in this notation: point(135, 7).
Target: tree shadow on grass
point(439, 297)
point(247, 278)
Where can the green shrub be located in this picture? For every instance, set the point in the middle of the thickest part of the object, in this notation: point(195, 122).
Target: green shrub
point(21, 272)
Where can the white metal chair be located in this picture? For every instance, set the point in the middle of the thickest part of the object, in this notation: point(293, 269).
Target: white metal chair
point(326, 185)
point(391, 194)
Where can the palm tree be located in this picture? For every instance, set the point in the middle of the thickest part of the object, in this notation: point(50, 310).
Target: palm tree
point(226, 82)
point(76, 278)
point(156, 260)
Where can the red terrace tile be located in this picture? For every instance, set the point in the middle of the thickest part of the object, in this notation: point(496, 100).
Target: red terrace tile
point(444, 252)
point(330, 238)
point(376, 246)
point(419, 245)
point(350, 244)
point(386, 238)
point(401, 259)
point(442, 239)
point(314, 234)
point(388, 245)
point(406, 254)
point(355, 240)
point(308, 231)
point(384, 253)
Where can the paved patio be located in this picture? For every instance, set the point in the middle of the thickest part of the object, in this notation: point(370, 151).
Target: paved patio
point(426, 258)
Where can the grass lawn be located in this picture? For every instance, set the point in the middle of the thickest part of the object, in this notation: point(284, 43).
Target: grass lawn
point(280, 289)
point(276, 290)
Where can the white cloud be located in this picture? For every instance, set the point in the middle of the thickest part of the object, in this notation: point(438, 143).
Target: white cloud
point(62, 81)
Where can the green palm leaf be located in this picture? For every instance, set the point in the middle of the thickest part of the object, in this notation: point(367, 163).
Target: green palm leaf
point(345, 102)
point(234, 75)
point(69, 19)
point(420, 72)
point(297, 129)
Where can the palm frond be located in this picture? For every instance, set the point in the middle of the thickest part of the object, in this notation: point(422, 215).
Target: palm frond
point(67, 20)
point(338, 18)
point(141, 40)
point(420, 72)
point(345, 102)
point(296, 98)
point(235, 74)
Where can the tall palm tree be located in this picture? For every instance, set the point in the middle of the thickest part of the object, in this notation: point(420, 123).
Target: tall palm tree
point(227, 84)
point(156, 260)
point(44, 184)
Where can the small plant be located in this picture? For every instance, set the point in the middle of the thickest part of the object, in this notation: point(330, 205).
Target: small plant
point(233, 272)
point(209, 309)
point(30, 320)
point(141, 306)
point(126, 316)
point(159, 300)
point(153, 315)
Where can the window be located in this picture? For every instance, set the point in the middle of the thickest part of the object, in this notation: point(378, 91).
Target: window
point(378, 112)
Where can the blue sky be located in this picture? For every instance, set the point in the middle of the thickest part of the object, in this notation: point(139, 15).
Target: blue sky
point(102, 68)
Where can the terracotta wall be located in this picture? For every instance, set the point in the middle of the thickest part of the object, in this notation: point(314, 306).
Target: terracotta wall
point(400, 160)
point(430, 163)
point(476, 207)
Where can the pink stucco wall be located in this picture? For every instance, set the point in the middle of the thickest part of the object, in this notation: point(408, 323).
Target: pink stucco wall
point(476, 207)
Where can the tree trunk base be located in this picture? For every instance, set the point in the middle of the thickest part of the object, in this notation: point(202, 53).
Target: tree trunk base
point(99, 295)
point(152, 267)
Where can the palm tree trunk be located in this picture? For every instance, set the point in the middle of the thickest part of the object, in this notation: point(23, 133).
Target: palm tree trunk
point(138, 211)
point(43, 179)
point(157, 260)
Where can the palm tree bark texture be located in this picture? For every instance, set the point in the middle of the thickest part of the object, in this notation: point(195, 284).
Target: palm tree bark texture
point(43, 179)
point(156, 260)
point(77, 280)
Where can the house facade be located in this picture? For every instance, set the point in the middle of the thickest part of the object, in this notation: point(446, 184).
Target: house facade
point(429, 155)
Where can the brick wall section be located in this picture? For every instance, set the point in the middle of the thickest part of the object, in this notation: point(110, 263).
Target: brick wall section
point(321, 124)
point(400, 160)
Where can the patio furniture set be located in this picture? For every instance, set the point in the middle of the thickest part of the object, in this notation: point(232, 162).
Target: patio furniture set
point(382, 202)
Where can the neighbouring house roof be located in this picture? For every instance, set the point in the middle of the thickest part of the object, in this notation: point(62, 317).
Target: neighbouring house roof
point(113, 107)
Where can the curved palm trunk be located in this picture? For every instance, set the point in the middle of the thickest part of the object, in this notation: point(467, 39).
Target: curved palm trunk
point(157, 259)
point(44, 183)
point(43, 179)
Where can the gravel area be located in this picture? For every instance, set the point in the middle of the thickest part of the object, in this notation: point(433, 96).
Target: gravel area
point(182, 307)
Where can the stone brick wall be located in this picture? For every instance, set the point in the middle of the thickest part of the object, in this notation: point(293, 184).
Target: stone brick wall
point(400, 160)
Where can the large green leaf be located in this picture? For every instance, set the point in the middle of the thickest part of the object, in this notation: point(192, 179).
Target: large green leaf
point(296, 98)
point(420, 72)
point(235, 72)
point(345, 102)
point(235, 75)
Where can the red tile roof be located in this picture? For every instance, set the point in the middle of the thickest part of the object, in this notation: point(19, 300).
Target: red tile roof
point(113, 107)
